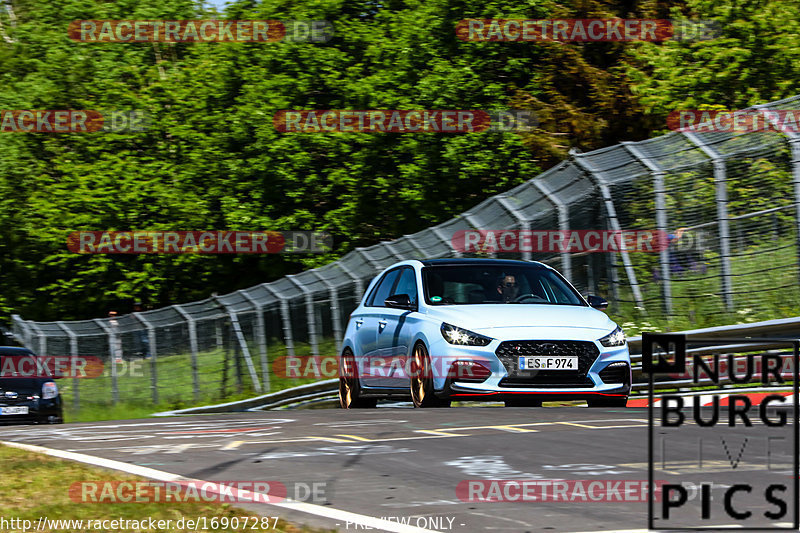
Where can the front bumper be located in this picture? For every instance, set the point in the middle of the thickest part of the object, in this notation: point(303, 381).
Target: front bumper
point(593, 380)
point(40, 411)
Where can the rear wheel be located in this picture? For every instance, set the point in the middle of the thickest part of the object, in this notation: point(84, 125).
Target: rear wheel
point(349, 388)
point(422, 380)
point(523, 402)
point(607, 401)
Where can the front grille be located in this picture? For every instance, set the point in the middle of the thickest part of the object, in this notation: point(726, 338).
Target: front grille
point(616, 373)
point(509, 351)
point(22, 397)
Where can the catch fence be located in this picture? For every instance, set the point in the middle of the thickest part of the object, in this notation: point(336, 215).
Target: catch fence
point(730, 203)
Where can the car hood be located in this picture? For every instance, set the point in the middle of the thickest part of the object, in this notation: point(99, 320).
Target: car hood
point(22, 385)
point(483, 317)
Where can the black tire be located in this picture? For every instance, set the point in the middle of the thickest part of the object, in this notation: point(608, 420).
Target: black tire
point(523, 402)
point(607, 401)
point(422, 380)
point(349, 387)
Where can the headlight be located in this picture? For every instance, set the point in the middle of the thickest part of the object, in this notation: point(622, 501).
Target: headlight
point(464, 337)
point(49, 390)
point(615, 338)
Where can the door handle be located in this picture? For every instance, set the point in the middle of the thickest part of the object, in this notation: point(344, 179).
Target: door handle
point(359, 322)
point(381, 325)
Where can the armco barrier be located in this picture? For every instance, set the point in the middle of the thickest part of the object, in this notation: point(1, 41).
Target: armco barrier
point(788, 328)
point(302, 393)
point(785, 328)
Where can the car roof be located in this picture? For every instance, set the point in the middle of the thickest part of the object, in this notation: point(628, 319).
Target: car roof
point(14, 350)
point(461, 261)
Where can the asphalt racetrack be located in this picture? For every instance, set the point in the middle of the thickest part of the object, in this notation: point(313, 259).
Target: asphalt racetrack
point(407, 464)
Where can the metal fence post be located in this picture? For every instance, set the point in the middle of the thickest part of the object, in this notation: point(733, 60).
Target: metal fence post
point(112, 344)
point(449, 242)
point(363, 253)
point(261, 337)
point(153, 349)
point(73, 352)
point(357, 281)
point(287, 320)
point(18, 327)
point(470, 218)
point(193, 348)
point(721, 195)
point(237, 329)
point(420, 251)
point(42, 349)
point(312, 326)
point(614, 221)
point(524, 223)
point(563, 225)
point(794, 145)
point(334, 296)
point(659, 193)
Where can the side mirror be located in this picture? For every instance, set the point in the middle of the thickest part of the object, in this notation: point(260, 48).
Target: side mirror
point(598, 302)
point(400, 301)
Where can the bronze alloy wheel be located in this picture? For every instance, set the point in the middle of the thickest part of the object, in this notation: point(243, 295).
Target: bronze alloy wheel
point(422, 380)
point(349, 389)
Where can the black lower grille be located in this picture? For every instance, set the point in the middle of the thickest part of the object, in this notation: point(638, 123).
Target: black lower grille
point(616, 373)
point(509, 352)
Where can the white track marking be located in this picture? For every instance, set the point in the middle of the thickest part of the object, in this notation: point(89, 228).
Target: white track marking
point(160, 475)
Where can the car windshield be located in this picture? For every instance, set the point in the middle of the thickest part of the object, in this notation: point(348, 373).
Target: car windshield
point(496, 284)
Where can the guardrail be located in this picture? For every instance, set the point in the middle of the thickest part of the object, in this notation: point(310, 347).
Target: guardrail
point(769, 330)
point(311, 391)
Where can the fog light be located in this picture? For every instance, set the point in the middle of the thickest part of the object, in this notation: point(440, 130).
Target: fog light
point(468, 371)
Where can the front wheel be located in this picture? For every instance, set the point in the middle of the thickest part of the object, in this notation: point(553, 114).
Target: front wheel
point(349, 388)
point(422, 380)
point(607, 401)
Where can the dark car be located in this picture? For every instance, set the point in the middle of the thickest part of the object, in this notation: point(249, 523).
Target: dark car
point(26, 396)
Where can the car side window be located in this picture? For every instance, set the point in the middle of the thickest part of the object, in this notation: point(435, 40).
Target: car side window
point(407, 284)
point(383, 290)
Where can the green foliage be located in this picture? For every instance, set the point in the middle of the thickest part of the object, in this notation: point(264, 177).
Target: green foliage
point(755, 59)
point(212, 158)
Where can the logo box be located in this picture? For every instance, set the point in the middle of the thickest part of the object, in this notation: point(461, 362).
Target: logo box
point(740, 460)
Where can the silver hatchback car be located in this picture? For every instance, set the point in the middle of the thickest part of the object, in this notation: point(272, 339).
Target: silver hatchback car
point(481, 329)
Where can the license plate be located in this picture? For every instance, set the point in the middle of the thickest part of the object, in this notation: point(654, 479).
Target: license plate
point(14, 410)
point(548, 362)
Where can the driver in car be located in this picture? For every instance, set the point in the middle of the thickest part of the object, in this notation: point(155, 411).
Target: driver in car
point(508, 288)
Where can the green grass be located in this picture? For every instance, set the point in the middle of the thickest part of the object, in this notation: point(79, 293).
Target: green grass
point(697, 297)
point(37, 485)
point(697, 303)
point(216, 384)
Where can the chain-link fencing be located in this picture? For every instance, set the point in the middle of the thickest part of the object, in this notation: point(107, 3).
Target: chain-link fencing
point(730, 204)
